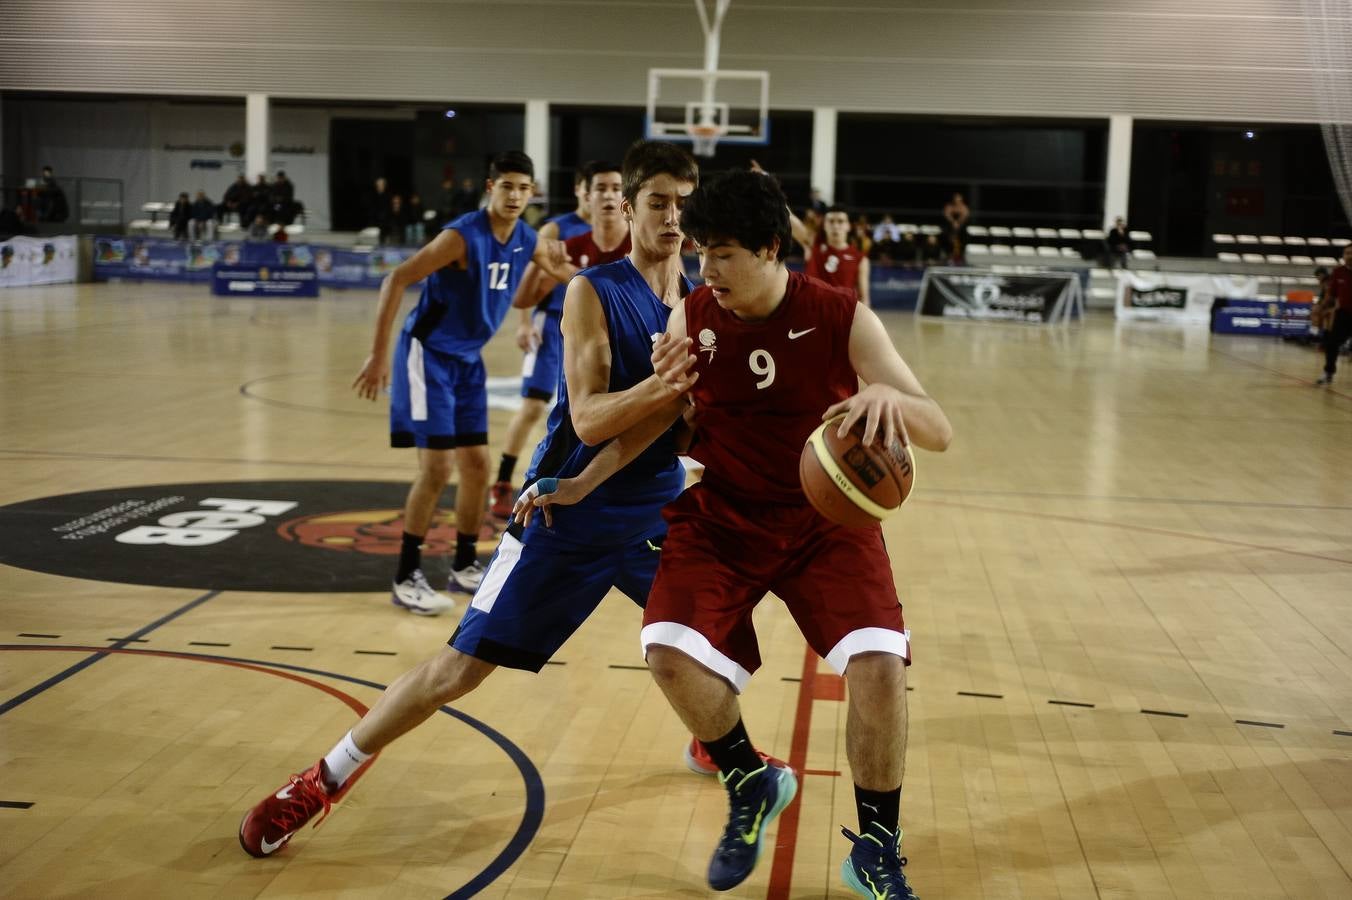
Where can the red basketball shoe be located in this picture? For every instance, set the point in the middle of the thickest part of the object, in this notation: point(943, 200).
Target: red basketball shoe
point(698, 760)
point(501, 500)
point(268, 826)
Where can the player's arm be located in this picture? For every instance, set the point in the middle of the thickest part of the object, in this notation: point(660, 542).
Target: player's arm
point(598, 414)
point(615, 455)
point(445, 249)
point(892, 400)
point(861, 288)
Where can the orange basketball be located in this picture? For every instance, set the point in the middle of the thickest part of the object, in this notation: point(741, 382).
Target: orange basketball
point(852, 484)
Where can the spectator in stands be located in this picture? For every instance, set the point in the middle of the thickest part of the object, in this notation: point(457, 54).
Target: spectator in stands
point(446, 201)
point(203, 223)
point(816, 204)
point(1340, 329)
point(260, 198)
point(956, 214)
point(886, 230)
point(1118, 244)
point(466, 198)
point(413, 221)
point(393, 233)
point(180, 216)
point(932, 252)
point(863, 235)
point(378, 206)
point(236, 200)
point(258, 231)
point(52, 205)
point(282, 199)
point(906, 252)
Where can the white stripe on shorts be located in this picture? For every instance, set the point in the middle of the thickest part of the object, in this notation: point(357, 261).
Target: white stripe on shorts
point(417, 383)
point(504, 561)
point(528, 363)
point(697, 647)
point(869, 640)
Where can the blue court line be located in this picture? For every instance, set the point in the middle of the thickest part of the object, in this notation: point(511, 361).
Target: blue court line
point(535, 788)
point(90, 660)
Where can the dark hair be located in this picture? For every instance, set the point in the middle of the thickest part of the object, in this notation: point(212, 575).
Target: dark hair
point(581, 174)
point(746, 206)
point(1321, 272)
point(596, 167)
point(648, 159)
point(511, 161)
point(281, 174)
point(836, 208)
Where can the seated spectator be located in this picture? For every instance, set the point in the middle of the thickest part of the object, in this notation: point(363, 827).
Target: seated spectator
point(932, 252)
point(863, 236)
point(1118, 244)
point(52, 205)
point(9, 224)
point(236, 200)
point(258, 231)
point(907, 252)
point(180, 216)
point(202, 226)
point(886, 230)
point(282, 200)
point(393, 232)
point(466, 198)
point(377, 203)
point(413, 222)
point(956, 214)
point(260, 198)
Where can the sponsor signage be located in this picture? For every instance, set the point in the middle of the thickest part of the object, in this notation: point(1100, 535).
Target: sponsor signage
point(275, 536)
point(981, 294)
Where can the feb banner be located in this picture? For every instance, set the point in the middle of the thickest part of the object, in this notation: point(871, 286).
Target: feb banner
point(28, 261)
point(1177, 297)
point(971, 293)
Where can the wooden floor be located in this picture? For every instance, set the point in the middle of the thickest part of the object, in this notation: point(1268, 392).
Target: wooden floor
point(1129, 584)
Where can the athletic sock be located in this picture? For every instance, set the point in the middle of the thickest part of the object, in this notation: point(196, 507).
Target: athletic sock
point(342, 761)
point(465, 551)
point(734, 750)
point(410, 556)
point(506, 468)
point(881, 808)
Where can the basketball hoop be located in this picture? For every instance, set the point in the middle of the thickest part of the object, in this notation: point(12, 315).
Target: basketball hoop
point(704, 138)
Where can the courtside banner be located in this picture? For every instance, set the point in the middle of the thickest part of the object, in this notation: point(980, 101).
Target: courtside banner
point(982, 294)
point(27, 261)
point(1178, 297)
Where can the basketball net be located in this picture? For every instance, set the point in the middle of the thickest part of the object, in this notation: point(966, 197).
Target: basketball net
point(704, 138)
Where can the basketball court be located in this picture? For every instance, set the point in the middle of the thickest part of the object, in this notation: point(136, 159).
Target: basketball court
point(1126, 584)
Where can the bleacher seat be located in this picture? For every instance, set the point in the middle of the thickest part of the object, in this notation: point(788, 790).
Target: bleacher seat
point(1248, 240)
point(1325, 261)
point(1222, 239)
point(1270, 240)
point(1102, 293)
point(1225, 256)
point(1294, 241)
point(1001, 250)
point(977, 231)
point(1264, 279)
point(295, 228)
point(978, 250)
point(931, 229)
point(228, 228)
point(1301, 260)
point(1317, 242)
point(1140, 237)
point(1052, 252)
point(1045, 234)
point(1092, 234)
point(908, 228)
point(139, 225)
point(1024, 250)
point(1100, 273)
point(1143, 254)
point(1279, 259)
point(1000, 231)
point(1024, 232)
point(1253, 258)
point(1068, 234)
point(160, 225)
point(1070, 253)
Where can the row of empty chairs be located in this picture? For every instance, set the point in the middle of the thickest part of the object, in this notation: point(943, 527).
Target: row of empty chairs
point(1272, 249)
point(1044, 235)
point(231, 225)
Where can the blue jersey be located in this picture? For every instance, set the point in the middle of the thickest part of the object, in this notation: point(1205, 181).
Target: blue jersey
point(629, 501)
point(570, 225)
point(461, 309)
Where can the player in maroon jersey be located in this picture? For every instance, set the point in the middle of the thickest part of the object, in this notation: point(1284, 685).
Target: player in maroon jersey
point(829, 255)
point(775, 354)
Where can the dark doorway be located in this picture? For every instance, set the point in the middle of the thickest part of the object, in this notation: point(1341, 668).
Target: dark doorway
point(360, 150)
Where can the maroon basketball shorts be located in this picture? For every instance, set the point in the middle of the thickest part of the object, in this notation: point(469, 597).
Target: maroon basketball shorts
point(722, 555)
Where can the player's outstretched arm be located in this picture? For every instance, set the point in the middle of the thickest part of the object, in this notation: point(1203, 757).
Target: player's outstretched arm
point(552, 257)
point(535, 286)
point(599, 415)
point(862, 287)
point(445, 249)
point(893, 401)
point(615, 455)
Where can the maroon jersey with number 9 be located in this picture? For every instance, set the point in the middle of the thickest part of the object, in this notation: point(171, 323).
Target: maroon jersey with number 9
point(763, 386)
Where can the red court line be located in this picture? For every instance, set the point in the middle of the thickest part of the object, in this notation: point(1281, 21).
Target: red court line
point(786, 839)
point(352, 702)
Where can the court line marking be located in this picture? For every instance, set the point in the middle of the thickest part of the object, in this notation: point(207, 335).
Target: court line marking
point(535, 790)
point(786, 838)
point(309, 464)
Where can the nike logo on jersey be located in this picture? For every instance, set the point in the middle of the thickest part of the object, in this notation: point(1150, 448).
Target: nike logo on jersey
point(269, 846)
point(795, 335)
point(517, 249)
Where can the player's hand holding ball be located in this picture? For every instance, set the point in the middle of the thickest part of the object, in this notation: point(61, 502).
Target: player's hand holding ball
point(856, 468)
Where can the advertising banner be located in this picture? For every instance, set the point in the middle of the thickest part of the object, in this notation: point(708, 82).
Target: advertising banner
point(1176, 296)
point(28, 261)
point(971, 293)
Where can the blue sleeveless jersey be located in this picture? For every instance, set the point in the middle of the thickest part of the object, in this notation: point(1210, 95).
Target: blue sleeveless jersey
point(570, 225)
point(461, 309)
point(626, 504)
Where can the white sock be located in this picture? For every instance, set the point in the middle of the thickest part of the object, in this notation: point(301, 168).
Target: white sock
point(343, 760)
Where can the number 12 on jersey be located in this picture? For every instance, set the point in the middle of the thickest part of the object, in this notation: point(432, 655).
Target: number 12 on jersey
point(497, 276)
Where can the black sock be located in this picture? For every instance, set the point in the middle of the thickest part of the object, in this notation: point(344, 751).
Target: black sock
point(410, 556)
point(506, 467)
point(881, 808)
point(734, 750)
point(465, 550)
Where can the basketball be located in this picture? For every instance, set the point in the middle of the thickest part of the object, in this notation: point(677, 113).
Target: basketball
point(850, 483)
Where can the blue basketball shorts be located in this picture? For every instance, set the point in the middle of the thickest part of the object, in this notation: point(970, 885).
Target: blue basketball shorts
point(536, 594)
point(541, 367)
point(437, 400)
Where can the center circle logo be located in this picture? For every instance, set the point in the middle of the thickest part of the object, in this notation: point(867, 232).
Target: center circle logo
point(276, 536)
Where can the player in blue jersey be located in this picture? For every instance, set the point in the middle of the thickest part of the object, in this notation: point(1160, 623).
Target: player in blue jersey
point(538, 333)
point(438, 395)
point(547, 577)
